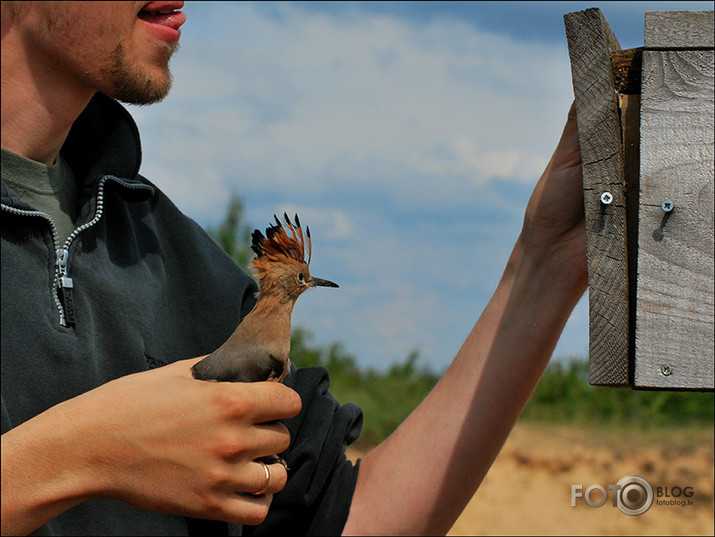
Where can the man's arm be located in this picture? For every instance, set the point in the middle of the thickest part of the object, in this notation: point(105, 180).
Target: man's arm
point(159, 440)
point(420, 479)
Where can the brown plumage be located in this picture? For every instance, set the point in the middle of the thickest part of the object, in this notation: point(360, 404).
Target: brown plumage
point(259, 348)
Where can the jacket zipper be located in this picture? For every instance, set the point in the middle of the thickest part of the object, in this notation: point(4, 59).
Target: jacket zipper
point(62, 280)
point(55, 242)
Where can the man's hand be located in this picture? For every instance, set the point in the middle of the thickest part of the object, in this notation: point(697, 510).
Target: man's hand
point(159, 440)
point(554, 219)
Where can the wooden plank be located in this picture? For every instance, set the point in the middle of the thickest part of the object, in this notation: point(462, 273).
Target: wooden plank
point(670, 30)
point(591, 43)
point(674, 309)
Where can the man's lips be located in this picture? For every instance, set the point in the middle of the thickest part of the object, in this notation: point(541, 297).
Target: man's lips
point(173, 20)
point(164, 13)
point(163, 5)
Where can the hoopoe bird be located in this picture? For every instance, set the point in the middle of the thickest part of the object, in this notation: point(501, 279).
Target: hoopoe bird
point(259, 348)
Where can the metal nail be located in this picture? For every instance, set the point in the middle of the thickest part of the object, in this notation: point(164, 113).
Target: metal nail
point(666, 370)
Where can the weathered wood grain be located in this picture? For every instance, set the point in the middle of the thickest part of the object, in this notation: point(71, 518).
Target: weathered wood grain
point(670, 30)
point(674, 309)
point(591, 43)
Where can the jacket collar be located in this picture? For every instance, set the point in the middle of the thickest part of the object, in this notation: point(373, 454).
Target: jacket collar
point(104, 140)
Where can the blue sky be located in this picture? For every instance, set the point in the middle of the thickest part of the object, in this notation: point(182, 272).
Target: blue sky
point(408, 136)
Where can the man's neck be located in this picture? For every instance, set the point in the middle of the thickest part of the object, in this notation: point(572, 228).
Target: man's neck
point(39, 105)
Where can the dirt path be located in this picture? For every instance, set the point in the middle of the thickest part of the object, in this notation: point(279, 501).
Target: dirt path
point(528, 489)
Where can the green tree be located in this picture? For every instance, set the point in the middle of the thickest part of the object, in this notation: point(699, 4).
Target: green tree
point(233, 235)
point(564, 395)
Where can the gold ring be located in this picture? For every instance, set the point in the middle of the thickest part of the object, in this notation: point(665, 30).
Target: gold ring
point(268, 480)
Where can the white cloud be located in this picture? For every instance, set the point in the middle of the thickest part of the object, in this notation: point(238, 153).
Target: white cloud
point(408, 149)
point(284, 99)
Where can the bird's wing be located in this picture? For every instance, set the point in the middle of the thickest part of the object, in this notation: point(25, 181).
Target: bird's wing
point(241, 363)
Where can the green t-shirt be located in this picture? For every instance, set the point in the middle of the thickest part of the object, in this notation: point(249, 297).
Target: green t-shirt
point(49, 189)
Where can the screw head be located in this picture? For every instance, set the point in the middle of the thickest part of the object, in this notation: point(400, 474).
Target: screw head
point(667, 206)
point(666, 370)
point(606, 198)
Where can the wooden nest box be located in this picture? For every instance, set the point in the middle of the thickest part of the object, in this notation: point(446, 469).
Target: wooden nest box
point(645, 125)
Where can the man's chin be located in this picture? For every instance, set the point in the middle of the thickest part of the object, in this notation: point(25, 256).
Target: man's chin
point(143, 96)
point(142, 90)
point(138, 84)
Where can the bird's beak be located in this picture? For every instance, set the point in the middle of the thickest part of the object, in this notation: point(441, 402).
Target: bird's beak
point(319, 282)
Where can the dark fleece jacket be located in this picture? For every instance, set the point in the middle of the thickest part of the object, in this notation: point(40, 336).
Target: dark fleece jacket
point(149, 287)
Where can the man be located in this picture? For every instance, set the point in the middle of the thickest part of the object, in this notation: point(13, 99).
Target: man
point(109, 280)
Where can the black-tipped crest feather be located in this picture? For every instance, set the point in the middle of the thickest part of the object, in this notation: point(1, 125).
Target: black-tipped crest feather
point(256, 242)
point(310, 243)
point(279, 245)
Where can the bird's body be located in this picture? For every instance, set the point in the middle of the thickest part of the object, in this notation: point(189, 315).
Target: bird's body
point(259, 348)
point(248, 355)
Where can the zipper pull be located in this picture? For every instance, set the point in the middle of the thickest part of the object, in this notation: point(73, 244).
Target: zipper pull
point(62, 258)
point(66, 285)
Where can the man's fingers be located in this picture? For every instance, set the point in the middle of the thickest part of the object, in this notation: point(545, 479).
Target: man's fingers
point(286, 401)
point(247, 508)
point(259, 402)
point(265, 401)
point(572, 111)
point(252, 477)
point(261, 440)
point(271, 478)
point(238, 508)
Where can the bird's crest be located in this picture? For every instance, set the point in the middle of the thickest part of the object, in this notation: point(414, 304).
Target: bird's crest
point(278, 246)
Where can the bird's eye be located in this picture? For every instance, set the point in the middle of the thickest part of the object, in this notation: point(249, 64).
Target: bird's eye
point(301, 278)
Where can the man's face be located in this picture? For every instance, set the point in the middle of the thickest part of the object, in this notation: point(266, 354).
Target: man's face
point(119, 48)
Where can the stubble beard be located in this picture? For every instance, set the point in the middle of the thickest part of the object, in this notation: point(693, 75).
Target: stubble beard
point(131, 84)
point(125, 79)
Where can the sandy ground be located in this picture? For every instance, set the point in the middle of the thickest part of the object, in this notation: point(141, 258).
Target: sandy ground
point(528, 489)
